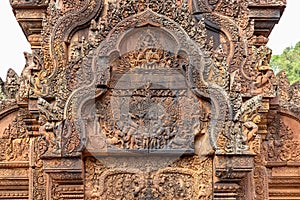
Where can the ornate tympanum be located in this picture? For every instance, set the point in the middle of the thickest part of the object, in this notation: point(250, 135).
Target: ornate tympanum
point(148, 99)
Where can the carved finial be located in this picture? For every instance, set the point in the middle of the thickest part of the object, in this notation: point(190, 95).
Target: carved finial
point(12, 84)
point(283, 86)
point(2, 93)
point(289, 95)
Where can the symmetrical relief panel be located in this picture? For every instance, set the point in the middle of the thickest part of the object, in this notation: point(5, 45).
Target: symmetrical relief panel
point(280, 140)
point(14, 140)
point(145, 93)
point(148, 120)
point(148, 105)
point(148, 99)
point(143, 110)
point(186, 178)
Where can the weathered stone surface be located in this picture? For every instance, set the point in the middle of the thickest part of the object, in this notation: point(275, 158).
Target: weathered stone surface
point(149, 99)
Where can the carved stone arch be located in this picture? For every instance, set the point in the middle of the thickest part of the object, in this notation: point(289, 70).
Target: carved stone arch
point(198, 62)
point(238, 49)
point(66, 26)
point(220, 33)
point(188, 46)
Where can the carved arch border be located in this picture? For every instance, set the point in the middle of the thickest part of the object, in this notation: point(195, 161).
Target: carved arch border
point(65, 28)
point(289, 114)
point(9, 109)
point(210, 92)
point(237, 41)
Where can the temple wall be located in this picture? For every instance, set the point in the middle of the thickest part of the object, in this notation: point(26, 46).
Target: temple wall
point(149, 100)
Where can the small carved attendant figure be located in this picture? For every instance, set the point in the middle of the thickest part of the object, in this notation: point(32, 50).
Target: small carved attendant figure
point(129, 132)
point(27, 82)
point(250, 129)
point(12, 83)
point(263, 81)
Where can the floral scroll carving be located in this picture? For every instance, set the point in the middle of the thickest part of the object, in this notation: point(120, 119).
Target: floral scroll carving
point(179, 181)
point(148, 99)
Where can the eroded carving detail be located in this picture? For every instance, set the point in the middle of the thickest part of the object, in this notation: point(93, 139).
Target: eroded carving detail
point(30, 85)
point(12, 84)
point(184, 179)
point(15, 140)
point(280, 144)
point(289, 95)
point(162, 77)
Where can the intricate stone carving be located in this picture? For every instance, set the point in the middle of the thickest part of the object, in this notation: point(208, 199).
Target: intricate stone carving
point(184, 179)
point(12, 84)
point(289, 95)
point(147, 99)
point(15, 140)
point(280, 144)
point(219, 74)
point(250, 129)
point(268, 2)
point(147, 58)
point(260, 182)
point(30, 85)
point(151, 115)
point(244, 128)
point(154, 121)
point(265, 79)
point(15, 151)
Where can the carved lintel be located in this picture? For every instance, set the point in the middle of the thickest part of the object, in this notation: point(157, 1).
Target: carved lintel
point(233, 167)
point(282, 181)
point(231, 172)
point(14, 177)
point(62, 164)
point(65, 185)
